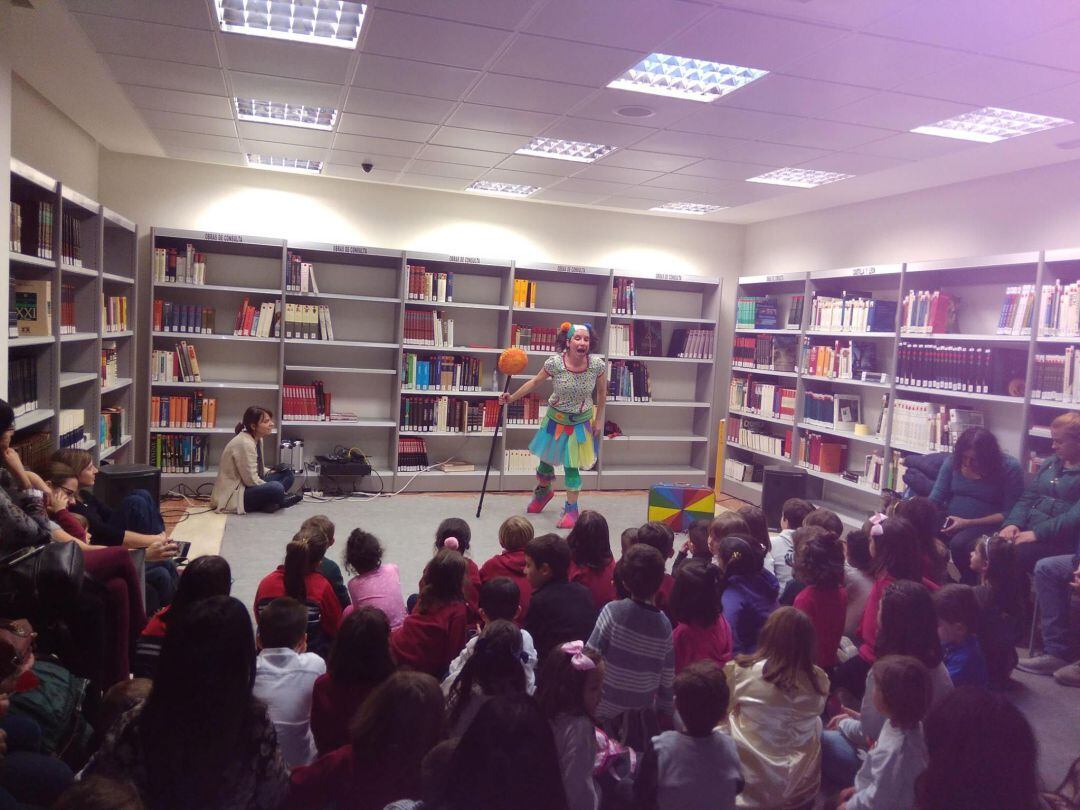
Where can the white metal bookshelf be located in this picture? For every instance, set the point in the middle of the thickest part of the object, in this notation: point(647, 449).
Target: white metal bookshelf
point(979, 284)
point(367, 292)
point(69, 365)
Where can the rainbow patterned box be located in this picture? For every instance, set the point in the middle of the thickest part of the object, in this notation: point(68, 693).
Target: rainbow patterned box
point(679, 505)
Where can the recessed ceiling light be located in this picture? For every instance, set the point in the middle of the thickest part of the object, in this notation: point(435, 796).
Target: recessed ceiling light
point(325, 22)
point(281, 164)
point(991, 124)
point(578, 151)
point(682, 77)
point(634, 111)
point(800, 178)
point(278, 112)
point(505, 189)
point(688, 208)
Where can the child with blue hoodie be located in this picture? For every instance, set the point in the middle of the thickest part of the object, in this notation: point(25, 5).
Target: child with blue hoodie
point(749, 591)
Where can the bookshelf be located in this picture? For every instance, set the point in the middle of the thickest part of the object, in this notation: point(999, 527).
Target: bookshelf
point(370, 366)
point(972, 297)
point(79, 364)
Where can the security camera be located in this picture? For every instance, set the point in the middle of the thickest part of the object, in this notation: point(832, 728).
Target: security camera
point(367, 166)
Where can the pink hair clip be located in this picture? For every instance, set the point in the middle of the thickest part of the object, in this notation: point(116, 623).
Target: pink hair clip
point(578, 659)
point(451, 543)
point(876, 529)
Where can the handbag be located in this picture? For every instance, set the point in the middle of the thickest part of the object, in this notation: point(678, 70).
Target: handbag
point(47, 577)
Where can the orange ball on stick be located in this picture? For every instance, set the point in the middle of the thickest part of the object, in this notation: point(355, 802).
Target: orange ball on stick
point(513, 361)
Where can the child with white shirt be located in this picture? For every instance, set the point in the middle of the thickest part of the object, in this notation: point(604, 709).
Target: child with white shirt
point(285, 673)
point(886, 780)
point(792, 514)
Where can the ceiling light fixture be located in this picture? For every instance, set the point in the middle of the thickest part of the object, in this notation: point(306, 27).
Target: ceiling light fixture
point(503, 189)
point(324, 22)
point(681, 77)
point(280, 164)
point(279, 112)
point(688, 208)
point(577, 151)
point(799, 178)
point(991, 124)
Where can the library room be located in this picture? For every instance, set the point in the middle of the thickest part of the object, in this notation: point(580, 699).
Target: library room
point(371, 367)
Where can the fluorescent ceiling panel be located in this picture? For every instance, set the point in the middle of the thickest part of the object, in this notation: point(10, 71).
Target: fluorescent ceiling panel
point(324, 22)
point(991, 124)
point(505, 189)
point(280, 164)
point(279, 112)
point(578, 151)
point(799, 178)
point(681, 77)
point(688, 208)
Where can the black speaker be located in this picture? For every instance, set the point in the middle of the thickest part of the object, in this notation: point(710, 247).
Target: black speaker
point(114, 481)
point(779, 484)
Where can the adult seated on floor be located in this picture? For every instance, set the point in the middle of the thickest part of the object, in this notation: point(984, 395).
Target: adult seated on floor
point(242, 483)
point(1046, 519)
point(136, 523)
point(977, 486)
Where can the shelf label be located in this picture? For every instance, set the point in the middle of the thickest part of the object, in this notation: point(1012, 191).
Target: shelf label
point(569, 268)
point(465, 259)
point(222, 237)
point(777, 277)
point(350, 249)
point(863, 271)
point(668, 277)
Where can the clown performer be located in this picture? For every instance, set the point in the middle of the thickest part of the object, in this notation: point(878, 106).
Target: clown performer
point(572, 425)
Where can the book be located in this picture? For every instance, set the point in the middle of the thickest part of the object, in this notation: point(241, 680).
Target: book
point(623, 297)
point(112, 427)
point(179, 453)
point(114, 313)
point(412, 454)
point(757, 398)
point(628, 381)
point(15, 228)
point(67, 309)
point(169, 316)
point(931, 312)
point(794, 313)
point(23, 384)
point(429, 285)
point(753, 434)
point(647, 339)
point(447, 414)
point(1017, 310)
point(110, 370)
point(70, 241)
point(33, 307)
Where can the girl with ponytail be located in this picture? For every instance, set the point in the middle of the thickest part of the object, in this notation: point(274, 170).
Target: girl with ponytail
point(748, 592)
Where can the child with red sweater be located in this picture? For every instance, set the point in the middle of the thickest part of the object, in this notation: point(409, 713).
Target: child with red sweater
point(702, 632)
point(591, 561)
point(819, 565)
point(514, 534)
point(459, 535)
point(435, 632)
point(299, 578)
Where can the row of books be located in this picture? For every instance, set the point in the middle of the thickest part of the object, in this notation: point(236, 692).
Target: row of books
point(31, 223)
point(426, 327)
point(170, 266)
point(448, 414)
point(894, 476)
point(15, 227)
point(306, 403)
point(304, 321)
point(180, 453)
point(768, 352)
point(441, 372)
point(34, 449)
point(623, 297)
point(114, 313)
point(761, 398)
point(67, 310)
point(300, 275)
point(526, 411)
point(851, 312)
point(753, 434)
point(190, 318)
point(195, 410)
point(536, 338)
point(628, 381)
point(696, 344)
point(72, 428)
point(641, 339)
point(842, 359)
point(23, 384)
point(1057, 376)
point(836, 411)
point(33, 307)
point(826, 454)
point(113, 427)
point(252, 322)
point(1017, 309)
point(931, 312)
point(738, 470)
point(178, 365)
point(71, 242)
point(1059, 310)
point(967, 368)
point(110, 363)
point(521, 461)
point(13, 316)
point(927, 427)
point(524, 294)
point(757, 312)
point(411, 454)
point(429, 285)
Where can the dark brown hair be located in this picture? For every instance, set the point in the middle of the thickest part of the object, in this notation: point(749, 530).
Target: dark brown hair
point(795, 510)
point(826, 519)
point(702, 697)
point(896, 550)
point(444, 581)
point(756, 526)
point(728, 523)
point(659, 536)
point(494, 667)
point(819, 557)
point(903, 682)
point(252, 416)
point(590, 541)
point(695, 598)
point(282, 623)
point(642, 571)
point(361, 651)
point(302, 556)
point(957, 604)
point(551, 550)
point(560, 687)
point(908, 624)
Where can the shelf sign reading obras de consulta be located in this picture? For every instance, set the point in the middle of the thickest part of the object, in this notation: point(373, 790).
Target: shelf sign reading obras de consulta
point(569, 268)
point(863, 271)
point(350, 249)
point(222, 237)
point(667, 277)
point(465, 259)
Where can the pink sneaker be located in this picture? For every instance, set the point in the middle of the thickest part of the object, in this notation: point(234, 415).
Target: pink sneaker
point(538, 504)
point(568, 519)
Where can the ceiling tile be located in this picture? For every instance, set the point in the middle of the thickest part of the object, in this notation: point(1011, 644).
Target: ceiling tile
point(280, 88)
point(627, 203)
point(153, 98)
point(275, 57)
point(193, 140)
point(825, 134)
point(559, 196)
point(853, 14)
point(791, 95)
point(365, 101)
point(468, 157)
point(769, 154)
point(440, 41)
point(284, 134)
point(692, 144)
point(649, 161)
point(1056, 47)
point(520, 178)
point(1062, 102)
point(873, 61)
point(432, 181)
point(726, 169)
point(382, 163)
point(984, 81)
point(161, 119)
point(635, 24)
point(190, 15)
point(149, 40)
point(656, 195)
point(558, 59)
point(477, 139)
point(735, 37)
point(499, 119)
point(686, 182)
point(616, 174)
point(347, 172)
point(376, 146)
point(503, 14)
point(592, 186)
point(206, 155)
point(734, 123)
point(896, 111)
point(409, 76)
point(168, 75)
point(539, 165)
point(375, 127)
point(909, 146)
point(666, 112)
point(469, 173)
point(853, 163)
point(605, 132)
point(527, 94)
point(289, 150)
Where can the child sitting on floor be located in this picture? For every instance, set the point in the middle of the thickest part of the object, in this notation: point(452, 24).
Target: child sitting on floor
point(696, 546)
point(702, 632)
point(493, 670)
point(1000, 597)
point(748, 591)
point(375, 584)
point(514, 534)
point(459, 535)
point(436, 630)
point(958, 622)
point(782, 552)
point(858, 579)
point(662, 538)
point(321, 524)
point(592, 563)
point(819, 564)
point(560, 610)
point(757, 529)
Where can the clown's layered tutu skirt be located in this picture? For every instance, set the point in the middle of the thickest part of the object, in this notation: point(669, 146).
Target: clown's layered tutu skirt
point(565, 439)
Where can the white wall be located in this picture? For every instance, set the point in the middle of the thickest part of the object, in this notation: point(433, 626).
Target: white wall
point(1028, 210)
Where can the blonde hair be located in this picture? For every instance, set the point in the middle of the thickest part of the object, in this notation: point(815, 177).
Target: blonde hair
point(317, 525)
point(515, 533)
point(787, 646)
point(1069, 424)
